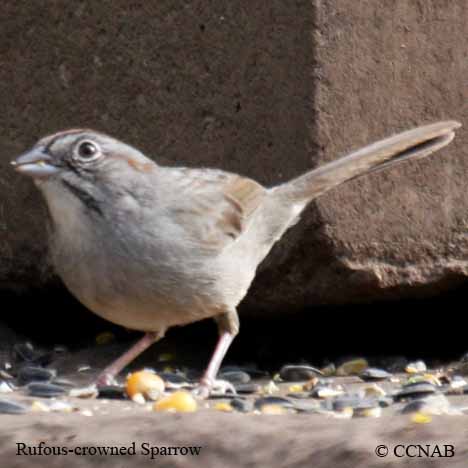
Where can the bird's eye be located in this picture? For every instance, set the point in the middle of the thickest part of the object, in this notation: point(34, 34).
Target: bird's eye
point(87, 151)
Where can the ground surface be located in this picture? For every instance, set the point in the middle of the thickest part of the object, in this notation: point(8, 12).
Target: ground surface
point(231, 440)
point(226, 439)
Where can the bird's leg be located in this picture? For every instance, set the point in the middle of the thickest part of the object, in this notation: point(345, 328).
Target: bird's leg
point(106, 377)
point(228, 326)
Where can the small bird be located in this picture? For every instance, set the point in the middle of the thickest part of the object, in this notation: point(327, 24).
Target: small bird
point(149, 247)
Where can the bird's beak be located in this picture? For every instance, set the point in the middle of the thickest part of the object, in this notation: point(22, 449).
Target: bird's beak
point(35, 163)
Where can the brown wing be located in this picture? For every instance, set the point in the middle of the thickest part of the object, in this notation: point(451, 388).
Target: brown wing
point(216, 207)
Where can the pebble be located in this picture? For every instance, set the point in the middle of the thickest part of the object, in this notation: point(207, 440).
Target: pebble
point(235, 377)
point(11, 407)
point(294, 373)
point(373, 374)
point(353, 367)
point(28, 374)
point(45, 390)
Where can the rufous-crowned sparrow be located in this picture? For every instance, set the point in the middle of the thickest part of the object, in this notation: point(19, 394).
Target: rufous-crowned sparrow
point(149, 247)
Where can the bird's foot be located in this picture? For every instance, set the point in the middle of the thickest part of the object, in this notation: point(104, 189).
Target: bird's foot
point(105, 379)
point(207, 388)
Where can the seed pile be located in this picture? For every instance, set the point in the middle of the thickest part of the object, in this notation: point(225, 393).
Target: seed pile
point(352, 389)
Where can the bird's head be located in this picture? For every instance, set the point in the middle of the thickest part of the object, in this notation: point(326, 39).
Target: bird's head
point(85, 153)
point(85, 163)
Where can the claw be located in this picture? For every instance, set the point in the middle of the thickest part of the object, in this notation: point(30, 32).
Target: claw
point(206, 388)
point(104, 380)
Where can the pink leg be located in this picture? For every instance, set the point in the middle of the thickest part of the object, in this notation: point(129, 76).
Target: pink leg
point(206, 383)
point(107, 375)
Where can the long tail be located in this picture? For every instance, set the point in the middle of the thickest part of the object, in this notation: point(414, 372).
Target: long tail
point(413, 144)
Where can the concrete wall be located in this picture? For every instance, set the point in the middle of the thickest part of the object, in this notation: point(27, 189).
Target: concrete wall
point(268, 89)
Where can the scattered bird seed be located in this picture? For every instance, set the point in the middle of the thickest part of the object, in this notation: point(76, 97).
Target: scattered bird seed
point(353, 367)
point(138, 398)
point(90, 391)
point(432, 404)
point(421, 418)
point(373, 391)
point(45, 389)
point(415, 390)
point(173, 378)
point(307, 406)
point(242, 405)
point(367, 412)
point(112, 392)
point(270, 388)
point(373, 374)
point(28, 374)
point(180, 401)
point(247, 388)
point(61, 406)
point(274, 409)
point(235, 377)
point(295, 373)
point(39, 406)
point(5, 387)
point(146, 383)
point(328, 370)
point(325, 392)
point(11, 407)
point(416, 367)
point(273, 400)
point(223, 406)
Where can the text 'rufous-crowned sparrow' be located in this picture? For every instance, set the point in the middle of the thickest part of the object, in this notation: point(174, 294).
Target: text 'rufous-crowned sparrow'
point(149, 247)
